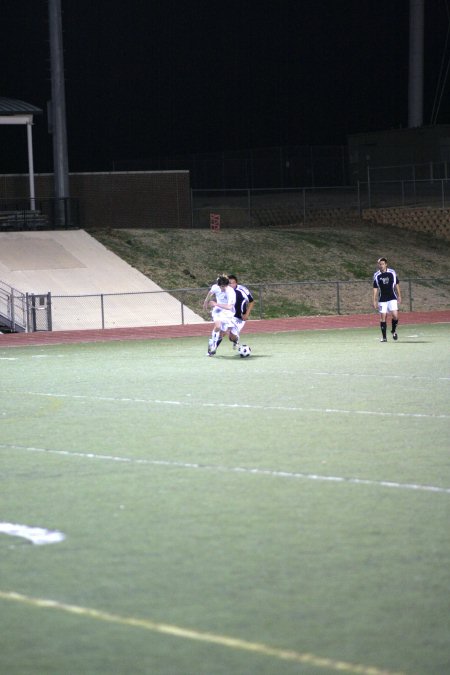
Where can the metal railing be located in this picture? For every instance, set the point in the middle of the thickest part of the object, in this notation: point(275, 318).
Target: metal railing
point(24, 312)
point(47, 214)
point(13, 309)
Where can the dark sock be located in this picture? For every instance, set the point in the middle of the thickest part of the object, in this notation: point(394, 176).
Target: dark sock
point(383, 325)
point(218, 342)
point(394, 325)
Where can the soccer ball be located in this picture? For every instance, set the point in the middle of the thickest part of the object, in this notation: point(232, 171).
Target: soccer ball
point(244, 350)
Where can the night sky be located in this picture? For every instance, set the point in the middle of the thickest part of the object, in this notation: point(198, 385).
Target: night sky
point(164, 77)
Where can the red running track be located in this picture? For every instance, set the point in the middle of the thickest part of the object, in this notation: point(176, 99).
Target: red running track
point(199, 330)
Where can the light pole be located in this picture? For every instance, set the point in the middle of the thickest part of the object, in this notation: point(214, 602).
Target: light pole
point(58, 113)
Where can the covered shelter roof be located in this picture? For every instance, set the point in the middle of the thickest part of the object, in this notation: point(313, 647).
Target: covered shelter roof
point(13, 106)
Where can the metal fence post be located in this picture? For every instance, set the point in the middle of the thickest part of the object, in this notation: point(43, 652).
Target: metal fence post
point(102, 310)
point(49, 311)
point(260, 302)
point(12, 310)
point(410, 295)
point(27, 313)
point(338, 298)
point(33, 313)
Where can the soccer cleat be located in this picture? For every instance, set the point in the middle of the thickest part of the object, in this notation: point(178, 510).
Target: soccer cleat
point(383, 339)
point(394, 336)
point(235, 345)
point(211, 348)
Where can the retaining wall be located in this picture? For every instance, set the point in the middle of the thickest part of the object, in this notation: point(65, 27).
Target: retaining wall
point(424, 219)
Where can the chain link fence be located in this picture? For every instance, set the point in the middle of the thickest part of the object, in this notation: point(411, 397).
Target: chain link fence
point(272, 207)
point(434, 192)
point(272, 300)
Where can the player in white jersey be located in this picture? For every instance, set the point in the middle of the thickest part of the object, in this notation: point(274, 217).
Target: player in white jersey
point(222, 299)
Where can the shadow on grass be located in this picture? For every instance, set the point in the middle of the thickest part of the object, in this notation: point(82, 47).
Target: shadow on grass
point(240, 359)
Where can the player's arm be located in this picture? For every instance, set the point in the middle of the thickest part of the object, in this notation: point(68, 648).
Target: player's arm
point(375, 297)
point(398, 292)
point(207, 299)
point(231, 297)
point(221, 305)
point(248, 310)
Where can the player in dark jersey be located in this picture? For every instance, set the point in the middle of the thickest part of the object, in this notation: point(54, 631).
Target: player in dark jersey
point(243, 307)
point(386, 296)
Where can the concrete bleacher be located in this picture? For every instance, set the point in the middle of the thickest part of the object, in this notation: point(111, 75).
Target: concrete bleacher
point(72, 263)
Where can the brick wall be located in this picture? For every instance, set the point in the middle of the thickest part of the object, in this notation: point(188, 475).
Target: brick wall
point(121, 199)
point(425, 219)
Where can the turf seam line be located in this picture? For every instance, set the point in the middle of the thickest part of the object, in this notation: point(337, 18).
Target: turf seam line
point(200, 636)
point(239, 406)
point(234, 469)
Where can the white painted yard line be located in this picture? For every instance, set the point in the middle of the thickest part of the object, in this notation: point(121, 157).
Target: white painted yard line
point(37, 535)
point(239, 406)
point(234, 469)
point(377, 376)
point(222, 640)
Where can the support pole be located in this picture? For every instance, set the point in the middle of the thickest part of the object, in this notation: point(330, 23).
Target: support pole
point(415, 89)
point(31, 166)
point(58, 108)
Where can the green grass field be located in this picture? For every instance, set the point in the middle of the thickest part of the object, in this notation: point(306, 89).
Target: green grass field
point(280, 514)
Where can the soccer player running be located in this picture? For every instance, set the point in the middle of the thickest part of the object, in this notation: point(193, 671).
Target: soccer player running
point(243, 308)
point(222, 299)
point(386, 297)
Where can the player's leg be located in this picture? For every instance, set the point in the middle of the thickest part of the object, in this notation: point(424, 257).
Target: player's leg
point(234, 339)
point(221, 334)
point(215, 335)
point(383, 324)
point(235, 332)
point(394, 323)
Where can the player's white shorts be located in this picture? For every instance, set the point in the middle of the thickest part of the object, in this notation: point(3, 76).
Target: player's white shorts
point(389, 306)
point(238, 326)
point(225, 316)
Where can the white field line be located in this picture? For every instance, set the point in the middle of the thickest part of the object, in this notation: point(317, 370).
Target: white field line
point(37, 535)
point(233, 469)
point(239, 406)
point(388, 376)
point(259, 648)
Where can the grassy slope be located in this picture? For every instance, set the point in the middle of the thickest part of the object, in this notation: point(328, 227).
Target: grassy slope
point(177, 258)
